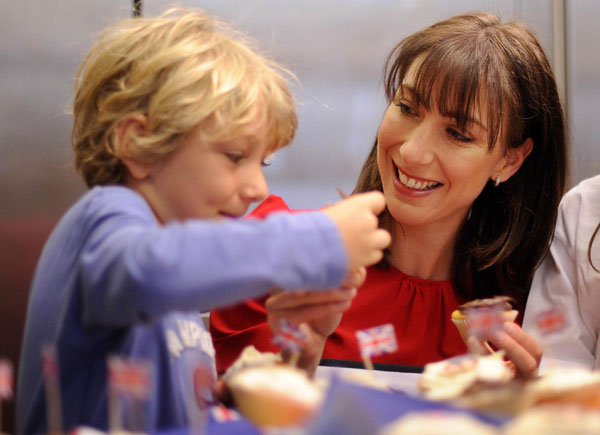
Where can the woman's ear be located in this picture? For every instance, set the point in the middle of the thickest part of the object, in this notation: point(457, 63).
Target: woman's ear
point(513, 160)
point(126, 134)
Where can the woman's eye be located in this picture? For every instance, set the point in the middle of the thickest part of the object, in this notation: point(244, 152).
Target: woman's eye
point(457, 136)
point(406, 109)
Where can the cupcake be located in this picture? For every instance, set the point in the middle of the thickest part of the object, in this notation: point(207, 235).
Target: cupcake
point(449, 379)
point(251, 357)
point(573, 386)
point(274, 395)
point(503, 303)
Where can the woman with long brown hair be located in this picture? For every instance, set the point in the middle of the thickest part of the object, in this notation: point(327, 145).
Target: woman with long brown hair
point(471, 157)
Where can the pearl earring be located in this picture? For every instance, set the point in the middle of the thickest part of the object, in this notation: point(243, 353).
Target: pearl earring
point(497, 182)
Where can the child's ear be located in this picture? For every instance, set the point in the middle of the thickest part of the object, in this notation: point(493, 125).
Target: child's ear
point(513, 160)
point(126, 134)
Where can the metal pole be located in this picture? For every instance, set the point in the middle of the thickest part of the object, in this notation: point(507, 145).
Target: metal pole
point(559, 48)
point(137, 8)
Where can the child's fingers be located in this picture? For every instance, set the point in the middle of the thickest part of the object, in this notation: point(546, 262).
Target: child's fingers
point(375, 257)
point(310, 313)
point(287, 300)
point(374, 200)
point(355, 278)
point(382, 238)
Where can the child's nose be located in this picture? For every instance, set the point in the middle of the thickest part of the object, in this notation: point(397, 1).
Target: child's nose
point(255, 188)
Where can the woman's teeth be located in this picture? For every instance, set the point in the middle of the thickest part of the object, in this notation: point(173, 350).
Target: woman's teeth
point(414, 184)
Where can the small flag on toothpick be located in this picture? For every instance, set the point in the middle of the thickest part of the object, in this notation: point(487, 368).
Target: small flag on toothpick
point(6, 379)
point(127, 379)
point(6, 384)
point(550, 321)
point(202, 377)
point(376, 341)
point(290, 338)
point(52, 386)
point(484, 322)
point(221, 414)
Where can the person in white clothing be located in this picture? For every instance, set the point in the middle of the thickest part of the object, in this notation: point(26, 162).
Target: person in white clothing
point(568, 280)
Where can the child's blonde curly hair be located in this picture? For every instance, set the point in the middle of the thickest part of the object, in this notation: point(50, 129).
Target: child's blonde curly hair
point(184, 71)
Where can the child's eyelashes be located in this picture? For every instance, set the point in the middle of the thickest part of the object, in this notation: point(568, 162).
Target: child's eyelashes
point(235, 157)
point(268, 161)
point(238, 158)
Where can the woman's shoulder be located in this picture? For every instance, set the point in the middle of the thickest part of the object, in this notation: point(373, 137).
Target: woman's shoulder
point(588, 190)
point(581, 203)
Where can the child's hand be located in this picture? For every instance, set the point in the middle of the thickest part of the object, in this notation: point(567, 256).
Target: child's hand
point(317, 313)
point(356, 218)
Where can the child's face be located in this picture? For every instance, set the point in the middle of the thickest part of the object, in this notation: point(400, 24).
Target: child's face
point(210, 180)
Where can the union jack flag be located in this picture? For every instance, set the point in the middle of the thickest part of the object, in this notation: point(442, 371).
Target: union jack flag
point(289, 336)
point(221, 414)
point(49, 364)
point(484, 322)
point(203, 380)
point(550, 321)
point(6, 379)
point(377, 341)
point(129, 377)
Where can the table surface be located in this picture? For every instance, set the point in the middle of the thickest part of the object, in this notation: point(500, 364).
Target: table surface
point(397, 381)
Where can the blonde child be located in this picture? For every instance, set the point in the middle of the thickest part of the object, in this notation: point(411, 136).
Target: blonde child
point(174, 117)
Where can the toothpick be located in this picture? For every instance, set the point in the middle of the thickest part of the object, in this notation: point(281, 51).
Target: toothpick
point(341, 193)
point(368, 363)
point(294, 359)
point(50, 371)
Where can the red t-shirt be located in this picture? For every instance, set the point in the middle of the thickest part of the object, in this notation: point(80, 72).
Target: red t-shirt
point(419, 310)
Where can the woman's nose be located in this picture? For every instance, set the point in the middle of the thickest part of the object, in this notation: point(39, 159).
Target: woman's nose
point(418, 144)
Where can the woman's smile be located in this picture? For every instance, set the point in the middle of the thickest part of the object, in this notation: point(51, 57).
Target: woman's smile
point(415, 183)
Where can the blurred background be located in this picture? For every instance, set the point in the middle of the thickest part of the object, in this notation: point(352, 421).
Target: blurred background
point(336, 47)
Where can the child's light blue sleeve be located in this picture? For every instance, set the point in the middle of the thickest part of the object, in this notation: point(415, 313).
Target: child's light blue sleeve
point(131, 269)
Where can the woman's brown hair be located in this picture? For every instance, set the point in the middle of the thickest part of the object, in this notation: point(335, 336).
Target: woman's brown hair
point(509, 227)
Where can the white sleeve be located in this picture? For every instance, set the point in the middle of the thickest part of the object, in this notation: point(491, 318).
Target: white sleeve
point(566, 280)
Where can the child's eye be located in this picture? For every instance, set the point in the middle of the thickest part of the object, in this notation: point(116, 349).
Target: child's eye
point(234, 157)
point(457, 136)
point(268, 161)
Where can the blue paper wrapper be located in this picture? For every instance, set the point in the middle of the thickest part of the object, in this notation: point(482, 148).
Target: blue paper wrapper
point(350, 409)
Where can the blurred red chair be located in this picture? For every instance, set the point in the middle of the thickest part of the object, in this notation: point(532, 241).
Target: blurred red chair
point(21, 243)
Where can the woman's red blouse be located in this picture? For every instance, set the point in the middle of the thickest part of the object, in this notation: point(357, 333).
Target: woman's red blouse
point(419, 309)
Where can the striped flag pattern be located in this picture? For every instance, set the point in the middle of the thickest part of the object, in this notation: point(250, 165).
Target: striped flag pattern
point(289, 336)
point(377, 341)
